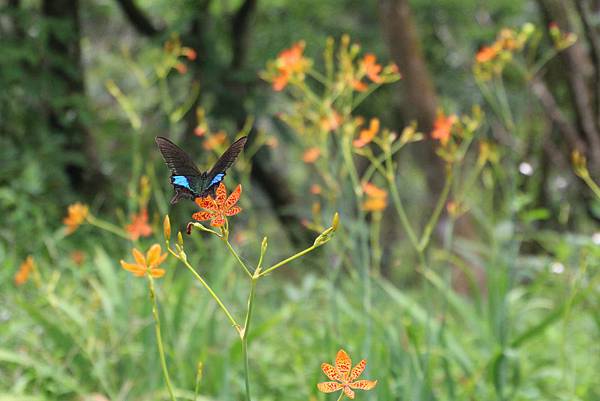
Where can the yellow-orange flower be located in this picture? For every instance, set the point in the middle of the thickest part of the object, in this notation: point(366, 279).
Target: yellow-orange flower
point(290, 62)
point(486, 53)
point(344, 376)
point(376, 198)
point(146, 264)
point(367, 135)
point(442, 127)
point(139, 226)
point(311, 155)
point(372, 69)
point(218, 209)
point(215, 140)
point(24, 271)
point(77, 213)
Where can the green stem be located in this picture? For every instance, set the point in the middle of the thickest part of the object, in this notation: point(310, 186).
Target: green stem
point(436, 213)
point(285, 261)
point(400, 208)
point(209, 289)
point(237, 257)
point(159, 341)
point(245, 332)
point(341, 396)
point(590, 183)
point(94, 221)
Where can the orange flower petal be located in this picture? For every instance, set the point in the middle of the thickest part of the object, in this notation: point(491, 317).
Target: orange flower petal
point(203, 216)
point(153, 254)
point(233, 211)
point(233, 198)
point(330, 372)
point(343, 363)
point(139, 257)
point(221, 194)
point(357, 370)
point(329, 387)
point(349, 393)
point(206, 203)
point(311, 155)
point(374, 204)
point(157, 273)
point(363, 384)
point(135, 269)
point(373, 190)
point(218, 221)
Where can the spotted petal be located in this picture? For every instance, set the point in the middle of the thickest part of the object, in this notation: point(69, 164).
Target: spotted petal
point(343, 363)
point(234, 197)
point(357, 370)
point(233, 211)
point(363, 384)
point(139, 257)
point(330, 372)
point(349, 393)
point(135, 269)
point(207, 203)
point(202, 216)
point(218, 221)
point(329, 387)
point(221, 195)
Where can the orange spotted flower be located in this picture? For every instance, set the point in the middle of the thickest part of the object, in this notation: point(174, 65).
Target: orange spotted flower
point(25, 270)
point(218, 209)
point(311, 155)
point(345, 376)
point(146, 264)
point(442, 127)
point(290, 62)
point(139, 226)
point(77, 213)
point(376, 198)
point(367, 135)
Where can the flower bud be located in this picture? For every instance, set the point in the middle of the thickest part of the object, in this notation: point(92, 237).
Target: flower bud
point(167, 227)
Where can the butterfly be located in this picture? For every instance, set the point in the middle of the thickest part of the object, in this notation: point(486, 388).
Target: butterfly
point(187, 180)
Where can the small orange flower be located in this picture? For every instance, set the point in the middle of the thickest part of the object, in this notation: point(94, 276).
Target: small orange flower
point(367, 135)
point(359, 85)
point(78, 257)
point(290, 62)
point(311, 155)
point(315, 189)
point(189, 53)
point(25, 270)
point(200, 130)
point(218, 209)
point(376, 198)
point(139, 226)
point(486, 53)
point(372, 69)
point(442, 127)
point(215, 140)
point(331, 122)
point(181, 68)
point(344, 376)
point(148, 264)
point(77, 213)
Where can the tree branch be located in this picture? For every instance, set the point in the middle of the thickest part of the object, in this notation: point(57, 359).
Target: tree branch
point(140, 21)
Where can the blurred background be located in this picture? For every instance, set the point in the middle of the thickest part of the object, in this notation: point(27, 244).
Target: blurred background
point(498, 301)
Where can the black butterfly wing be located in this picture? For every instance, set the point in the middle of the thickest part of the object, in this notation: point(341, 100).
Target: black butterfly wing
point(217, 172)
point(179, 162)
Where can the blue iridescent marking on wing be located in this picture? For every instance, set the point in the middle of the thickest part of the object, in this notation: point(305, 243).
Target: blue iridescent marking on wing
point(181, 180)
point(218, 178)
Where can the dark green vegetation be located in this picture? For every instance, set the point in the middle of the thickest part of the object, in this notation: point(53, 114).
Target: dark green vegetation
point(501, 304)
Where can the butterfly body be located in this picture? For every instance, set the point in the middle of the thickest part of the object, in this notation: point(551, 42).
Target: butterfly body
point(186, 178)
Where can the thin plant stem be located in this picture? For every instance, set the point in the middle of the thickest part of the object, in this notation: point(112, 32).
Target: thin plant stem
point(341, 396)
point(286, 261)
point(107, 226)
point(159, 341)
point(209, 289)
point(436, 213)
point(237, 257)
point(593, 186)
point(245, 332)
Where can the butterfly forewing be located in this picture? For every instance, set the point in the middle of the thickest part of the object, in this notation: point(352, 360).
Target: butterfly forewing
point(179, 162)
point(217, 172)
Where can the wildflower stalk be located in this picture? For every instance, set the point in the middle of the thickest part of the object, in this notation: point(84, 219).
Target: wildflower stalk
point(436, 213)
point(106, 226)
point(159, 340)
point(286, 261)
point(590, 183)
point(244, 336)
point(341, 396)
